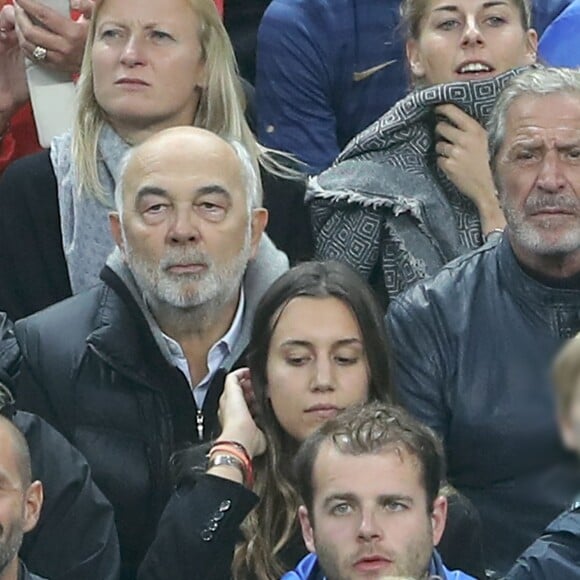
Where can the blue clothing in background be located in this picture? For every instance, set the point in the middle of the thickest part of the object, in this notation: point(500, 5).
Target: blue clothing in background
point(560, 43)
point(325, 70)
point(309, 569)
point(546, 11)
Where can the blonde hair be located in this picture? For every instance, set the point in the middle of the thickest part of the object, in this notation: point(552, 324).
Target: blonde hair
point(221, 103)
point(566, 374)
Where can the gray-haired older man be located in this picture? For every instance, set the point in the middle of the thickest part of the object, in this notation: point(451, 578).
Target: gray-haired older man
point(473, 345)
point(132, 370)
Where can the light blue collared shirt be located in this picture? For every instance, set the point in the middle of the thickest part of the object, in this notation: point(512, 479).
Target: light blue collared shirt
point(215, 357)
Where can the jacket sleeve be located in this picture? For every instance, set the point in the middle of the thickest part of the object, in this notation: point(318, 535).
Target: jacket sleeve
point(33, 271)
point(419, 369)
point(294, 85)
point(551, 556)
point(76, 536)
point(198, 531)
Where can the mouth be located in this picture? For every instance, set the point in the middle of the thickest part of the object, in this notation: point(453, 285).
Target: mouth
point(323, 411)
point(186, 268)
point(132, 82)
point(474, 69)
point(372, 563)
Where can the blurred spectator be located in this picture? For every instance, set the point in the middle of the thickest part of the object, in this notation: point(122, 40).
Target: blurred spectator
point(560, 43)
point(325, 70)
point(556, 553)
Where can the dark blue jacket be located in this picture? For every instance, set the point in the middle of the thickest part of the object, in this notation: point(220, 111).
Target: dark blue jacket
point(472, 351)
point(326, 69)
point(309, 569)
point(555, 554)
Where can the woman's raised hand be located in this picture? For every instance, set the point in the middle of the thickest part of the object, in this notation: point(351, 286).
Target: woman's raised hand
point(235, 413)
point(463, 156)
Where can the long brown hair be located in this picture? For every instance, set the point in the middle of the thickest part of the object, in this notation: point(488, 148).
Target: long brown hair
point(270, 526)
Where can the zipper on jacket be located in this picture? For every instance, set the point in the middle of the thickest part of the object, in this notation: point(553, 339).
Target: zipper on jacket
point(199, 420)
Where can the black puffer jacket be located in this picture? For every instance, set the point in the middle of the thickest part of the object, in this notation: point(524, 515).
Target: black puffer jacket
point(75, 536)
point(93, 367)
point(473, 348)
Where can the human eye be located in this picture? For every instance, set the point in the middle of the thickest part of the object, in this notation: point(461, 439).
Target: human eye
point(573, 154)
point(495, 21)
point(297, 359)
point(448, 24)
point(392, 505)
point(161, 35)
point(341, 509)
point(211, 210)
point(346, 359)
point(110, 33)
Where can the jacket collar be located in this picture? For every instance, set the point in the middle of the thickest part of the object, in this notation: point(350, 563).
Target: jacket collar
point(557, 308)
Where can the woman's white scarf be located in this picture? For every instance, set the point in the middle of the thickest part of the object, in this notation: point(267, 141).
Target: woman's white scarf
point(84, 221)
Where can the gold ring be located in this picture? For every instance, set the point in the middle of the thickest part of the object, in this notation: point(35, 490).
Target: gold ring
point(39, 53)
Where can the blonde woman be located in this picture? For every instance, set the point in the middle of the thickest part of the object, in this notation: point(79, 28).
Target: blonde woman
point(148, 65)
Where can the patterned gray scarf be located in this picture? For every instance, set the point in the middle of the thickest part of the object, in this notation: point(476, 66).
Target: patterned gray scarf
point(386, 203)
point(86, 237)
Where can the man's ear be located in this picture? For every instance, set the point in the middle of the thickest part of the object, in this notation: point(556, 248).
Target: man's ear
point(414, 59)
point(307, 530)
point(117, 230)
point(438, 518)
point(567, 432)
point(33, 498)
point(259, 223)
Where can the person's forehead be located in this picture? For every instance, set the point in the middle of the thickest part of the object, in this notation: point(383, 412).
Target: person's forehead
point(393, 470)
point(184, 164)
point(559, 112)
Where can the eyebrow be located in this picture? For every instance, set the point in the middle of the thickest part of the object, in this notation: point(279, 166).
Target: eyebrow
point(160, 192)
point(306, 343)
point(454, 8)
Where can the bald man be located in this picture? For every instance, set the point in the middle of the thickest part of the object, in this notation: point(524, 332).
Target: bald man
point(132, 370)
point(20, 500)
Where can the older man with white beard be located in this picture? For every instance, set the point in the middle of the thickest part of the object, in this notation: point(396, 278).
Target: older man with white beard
point(132, 370)
point(473, 345)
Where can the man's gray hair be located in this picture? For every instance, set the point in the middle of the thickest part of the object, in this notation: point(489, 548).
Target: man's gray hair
point(536, 82)
point(252, 181)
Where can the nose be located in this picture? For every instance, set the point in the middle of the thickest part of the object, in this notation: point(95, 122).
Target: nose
point(471, 33)
point(323, 378)
point(369, 528)
point(551, 177)
point(183, 228)
point(133, 54)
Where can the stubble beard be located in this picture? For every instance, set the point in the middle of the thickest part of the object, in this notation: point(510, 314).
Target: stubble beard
point(10, 545)
point(532, 237)
point(414, 563)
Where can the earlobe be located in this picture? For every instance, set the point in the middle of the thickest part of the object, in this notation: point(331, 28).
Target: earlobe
point(307, 531)
point(33, 504)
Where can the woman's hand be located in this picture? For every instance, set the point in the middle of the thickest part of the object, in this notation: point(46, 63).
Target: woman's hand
point(235, 413)
point(63, 37)
point(463, 156)
point(13, 85)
